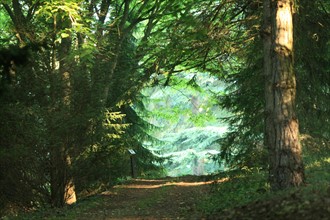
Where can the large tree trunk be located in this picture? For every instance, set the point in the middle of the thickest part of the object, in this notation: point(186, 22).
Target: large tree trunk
point(281, 125)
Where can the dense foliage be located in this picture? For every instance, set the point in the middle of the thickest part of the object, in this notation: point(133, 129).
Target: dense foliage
point(245, 141)
point(71, 73)
point(187, 116)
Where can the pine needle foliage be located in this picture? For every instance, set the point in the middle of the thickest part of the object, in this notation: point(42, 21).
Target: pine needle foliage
point(243, 145)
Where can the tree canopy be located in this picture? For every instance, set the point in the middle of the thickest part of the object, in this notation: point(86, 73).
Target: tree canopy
point(72, 72)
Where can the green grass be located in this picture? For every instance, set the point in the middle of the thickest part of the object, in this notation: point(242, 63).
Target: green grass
point(66, 213)
point(242, 188)
point(248, 186)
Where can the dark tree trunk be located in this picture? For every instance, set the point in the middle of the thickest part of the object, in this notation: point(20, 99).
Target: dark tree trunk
point(57, 181)
point(281, 124)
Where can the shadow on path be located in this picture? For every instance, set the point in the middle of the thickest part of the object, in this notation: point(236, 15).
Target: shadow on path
point(168, 198)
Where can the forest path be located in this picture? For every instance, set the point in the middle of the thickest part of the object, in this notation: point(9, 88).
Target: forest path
point(168, 198)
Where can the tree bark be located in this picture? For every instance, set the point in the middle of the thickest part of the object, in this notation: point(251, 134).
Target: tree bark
point(62, 183)
point(281, 124)
point(57, 177)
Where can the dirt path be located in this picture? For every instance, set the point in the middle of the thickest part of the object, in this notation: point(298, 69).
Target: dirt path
point(169, 198)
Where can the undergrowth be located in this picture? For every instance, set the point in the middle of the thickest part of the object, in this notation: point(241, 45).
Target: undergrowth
point(241, 188)
point(250, 186)
point(241, 195)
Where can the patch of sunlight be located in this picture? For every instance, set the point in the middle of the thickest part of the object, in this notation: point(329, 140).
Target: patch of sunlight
point(314, 164)
point(109, 193)
point(184, 184)
point(327, 160)
point(319, 163)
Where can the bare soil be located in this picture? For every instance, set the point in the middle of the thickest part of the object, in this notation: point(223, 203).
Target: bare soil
point(168, 198)
point(179, 198)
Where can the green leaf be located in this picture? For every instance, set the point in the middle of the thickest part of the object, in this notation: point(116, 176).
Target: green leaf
point(64, 35)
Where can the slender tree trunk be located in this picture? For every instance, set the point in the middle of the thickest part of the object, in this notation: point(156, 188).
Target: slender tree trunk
point(69, 194)
point(281, 124)
point(62, 184)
